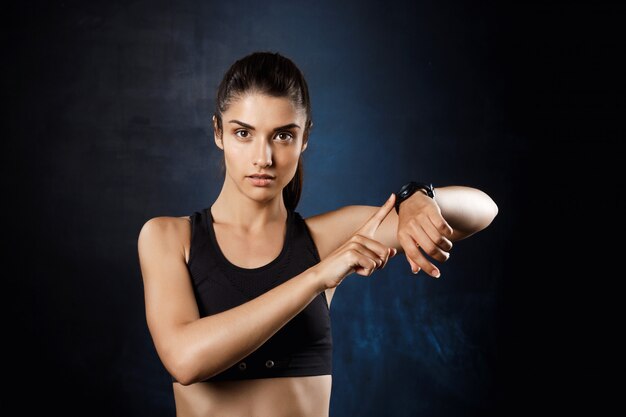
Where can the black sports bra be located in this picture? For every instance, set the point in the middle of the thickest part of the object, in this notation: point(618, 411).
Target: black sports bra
point(303, 347)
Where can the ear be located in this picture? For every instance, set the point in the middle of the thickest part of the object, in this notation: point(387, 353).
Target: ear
point(304, 145)
point(217, 135)
point(305, 139)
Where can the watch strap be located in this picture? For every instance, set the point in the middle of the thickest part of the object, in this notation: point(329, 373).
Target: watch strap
point(408, 189)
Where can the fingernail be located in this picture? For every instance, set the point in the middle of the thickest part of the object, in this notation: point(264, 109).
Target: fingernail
point(416, 271)
point(390, 196)
point(436, 273)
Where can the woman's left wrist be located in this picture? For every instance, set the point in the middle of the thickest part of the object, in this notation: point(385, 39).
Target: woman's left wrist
point(410, 188)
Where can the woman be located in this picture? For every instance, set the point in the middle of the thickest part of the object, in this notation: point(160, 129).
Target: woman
point(238, 295)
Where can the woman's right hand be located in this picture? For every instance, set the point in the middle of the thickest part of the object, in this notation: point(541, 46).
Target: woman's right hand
point(361, 253)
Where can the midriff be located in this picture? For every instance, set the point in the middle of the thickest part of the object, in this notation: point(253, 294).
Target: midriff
point(272, 397)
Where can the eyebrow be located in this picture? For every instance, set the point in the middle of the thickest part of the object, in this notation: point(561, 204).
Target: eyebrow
point(246, 125)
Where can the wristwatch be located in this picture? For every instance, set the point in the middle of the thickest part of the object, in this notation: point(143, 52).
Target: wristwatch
point(410, 188)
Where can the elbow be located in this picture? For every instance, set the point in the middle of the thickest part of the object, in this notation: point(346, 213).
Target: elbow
point(482, 213)
point(189, 367)
point(184, 376)
point(493, 212)
point(489, 212)
point(183, 367)
point(186, 382)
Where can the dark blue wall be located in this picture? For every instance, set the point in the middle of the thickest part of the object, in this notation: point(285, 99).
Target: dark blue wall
point(110, 126)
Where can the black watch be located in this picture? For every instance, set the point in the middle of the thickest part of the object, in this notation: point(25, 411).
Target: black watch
point(409, 189)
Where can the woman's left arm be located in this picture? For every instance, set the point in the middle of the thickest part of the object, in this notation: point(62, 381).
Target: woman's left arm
point(423, 227)
point(428, 226)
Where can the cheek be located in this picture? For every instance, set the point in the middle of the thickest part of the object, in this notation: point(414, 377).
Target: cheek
point(234, 155)
point(288, 159)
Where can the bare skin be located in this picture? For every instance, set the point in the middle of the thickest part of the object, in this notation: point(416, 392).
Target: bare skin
point(302, 396)
point(250, 228)
point(279, 397)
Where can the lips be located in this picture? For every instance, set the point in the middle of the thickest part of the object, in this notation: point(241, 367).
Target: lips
point(261, 176)
point(261, 180)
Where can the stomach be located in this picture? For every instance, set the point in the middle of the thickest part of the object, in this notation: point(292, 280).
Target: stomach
point(271, 397)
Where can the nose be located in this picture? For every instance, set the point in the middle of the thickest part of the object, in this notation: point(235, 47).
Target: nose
point(263, 154)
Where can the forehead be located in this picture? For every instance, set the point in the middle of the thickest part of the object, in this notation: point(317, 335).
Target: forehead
point(263, 109)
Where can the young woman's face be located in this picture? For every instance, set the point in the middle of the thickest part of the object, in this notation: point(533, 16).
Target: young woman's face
point(262, 135)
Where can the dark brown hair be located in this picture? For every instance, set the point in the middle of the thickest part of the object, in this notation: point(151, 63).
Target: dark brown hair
point(274, 75)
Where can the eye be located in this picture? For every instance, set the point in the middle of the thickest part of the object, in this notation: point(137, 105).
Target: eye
point(242, 133)
point(284, 136)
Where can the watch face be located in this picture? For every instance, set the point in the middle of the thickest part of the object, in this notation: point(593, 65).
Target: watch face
point(409, 188)
point(404, 190)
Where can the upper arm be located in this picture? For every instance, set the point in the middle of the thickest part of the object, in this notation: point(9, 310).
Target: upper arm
point(169, 298)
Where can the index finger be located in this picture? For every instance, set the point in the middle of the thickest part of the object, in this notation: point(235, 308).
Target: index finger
point(371, 225)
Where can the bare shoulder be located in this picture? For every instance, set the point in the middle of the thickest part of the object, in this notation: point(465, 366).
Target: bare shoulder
point(165, 234)
point(332, 228)
point(168, 291)
point(165, 227)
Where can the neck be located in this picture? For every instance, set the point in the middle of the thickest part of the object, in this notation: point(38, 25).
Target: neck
point(236, 209)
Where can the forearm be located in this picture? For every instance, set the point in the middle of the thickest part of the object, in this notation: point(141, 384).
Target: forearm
point(467, 210)
point(209, 345)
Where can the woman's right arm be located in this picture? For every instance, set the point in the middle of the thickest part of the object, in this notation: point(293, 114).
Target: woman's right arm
point(193, 349)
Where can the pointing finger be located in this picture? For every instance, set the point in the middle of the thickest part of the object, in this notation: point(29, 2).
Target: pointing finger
point(370, 227)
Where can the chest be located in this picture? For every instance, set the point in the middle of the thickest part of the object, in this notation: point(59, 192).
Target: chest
point(248, 250)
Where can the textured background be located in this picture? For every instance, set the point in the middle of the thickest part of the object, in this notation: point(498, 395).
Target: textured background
point(108, 125)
